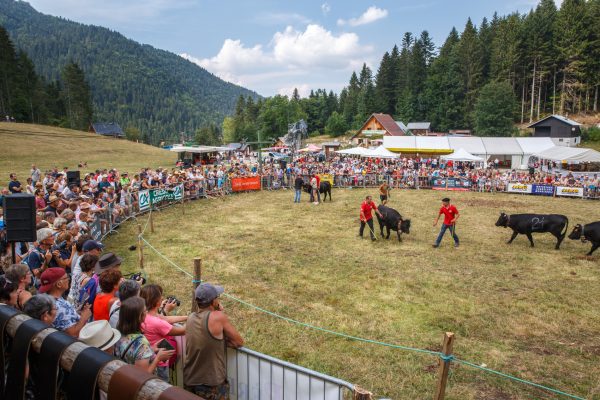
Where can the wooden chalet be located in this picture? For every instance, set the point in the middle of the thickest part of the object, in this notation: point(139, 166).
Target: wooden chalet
point(376, 127)
point(562, 130)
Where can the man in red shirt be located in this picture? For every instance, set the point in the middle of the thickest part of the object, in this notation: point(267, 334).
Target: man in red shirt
point(450, 216)
point(366, 218)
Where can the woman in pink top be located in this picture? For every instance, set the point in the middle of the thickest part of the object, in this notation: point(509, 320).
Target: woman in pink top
point(157, 325)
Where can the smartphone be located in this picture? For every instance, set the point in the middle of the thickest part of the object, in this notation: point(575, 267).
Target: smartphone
point(164, 344)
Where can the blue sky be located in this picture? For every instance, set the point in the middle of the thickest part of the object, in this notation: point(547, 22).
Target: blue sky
point(273, 46)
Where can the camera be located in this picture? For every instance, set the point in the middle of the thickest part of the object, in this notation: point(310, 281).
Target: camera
point(173, 299)
point(136, 277)
point(60, 246)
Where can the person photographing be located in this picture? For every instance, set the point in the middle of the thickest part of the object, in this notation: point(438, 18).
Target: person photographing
point(450, 216)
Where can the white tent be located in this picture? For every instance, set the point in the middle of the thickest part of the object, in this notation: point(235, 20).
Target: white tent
point(355, 151)
point(177, 148)
point(380, 152)
point(572, 155)
point(461, 155)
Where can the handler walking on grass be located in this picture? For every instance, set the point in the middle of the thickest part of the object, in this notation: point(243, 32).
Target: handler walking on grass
point(450, 216)
point(366, 218)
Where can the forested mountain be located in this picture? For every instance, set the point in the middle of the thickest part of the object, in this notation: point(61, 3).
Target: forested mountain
point(507, 69)
point(132, 84)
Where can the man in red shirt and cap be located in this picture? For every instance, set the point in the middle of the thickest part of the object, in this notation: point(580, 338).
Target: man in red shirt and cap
point(366, 218)
point(450, 216)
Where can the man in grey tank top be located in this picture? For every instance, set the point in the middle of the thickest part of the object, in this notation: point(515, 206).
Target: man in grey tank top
point(208, 332)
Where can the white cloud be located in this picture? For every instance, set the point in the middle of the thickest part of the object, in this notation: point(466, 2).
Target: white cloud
point(275, 18)
point(290, 55)
point(303, 90)
point(325, 8)
point(372, 14)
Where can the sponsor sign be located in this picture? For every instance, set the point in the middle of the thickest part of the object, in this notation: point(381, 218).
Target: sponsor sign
point(519, 188)
point(373, 132)
point(242, 184)
point(326, 177)
point(569, 191)
point(454, 184)
point(96, 229)
point(542, 190)
point(144, 200)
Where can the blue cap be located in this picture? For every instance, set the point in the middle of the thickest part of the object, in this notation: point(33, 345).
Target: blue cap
point(92, 245)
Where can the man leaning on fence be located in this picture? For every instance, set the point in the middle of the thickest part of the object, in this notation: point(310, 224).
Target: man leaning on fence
point(208, 333)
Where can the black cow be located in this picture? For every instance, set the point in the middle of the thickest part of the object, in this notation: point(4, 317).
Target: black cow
point(392, 220)
point(526, 224)
point(587, 232)
point(324, 188)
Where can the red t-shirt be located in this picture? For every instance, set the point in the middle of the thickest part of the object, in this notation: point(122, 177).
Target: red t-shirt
point(449, 214)
point(318, 180)
point(366, 209)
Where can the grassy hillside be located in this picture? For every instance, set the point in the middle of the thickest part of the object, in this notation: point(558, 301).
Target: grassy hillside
point(24, 144)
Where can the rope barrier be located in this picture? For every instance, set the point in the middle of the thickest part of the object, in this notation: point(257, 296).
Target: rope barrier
point(442, 356)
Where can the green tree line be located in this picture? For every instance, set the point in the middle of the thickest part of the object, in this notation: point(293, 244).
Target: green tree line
point(27, 97)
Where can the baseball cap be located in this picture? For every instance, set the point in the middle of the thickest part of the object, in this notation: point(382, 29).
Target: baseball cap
point(50, 277)
point(92, 245)
point(205, 292)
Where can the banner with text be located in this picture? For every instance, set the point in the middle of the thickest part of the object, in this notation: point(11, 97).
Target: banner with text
point(326, 177)
point(242, 184)
point(454, 184)
point(542, 190)
point(96, 229)
point(150, 197)
point(569, 191)
point(519, 188)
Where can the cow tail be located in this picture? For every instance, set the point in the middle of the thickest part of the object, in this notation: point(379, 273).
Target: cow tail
point(566, 228)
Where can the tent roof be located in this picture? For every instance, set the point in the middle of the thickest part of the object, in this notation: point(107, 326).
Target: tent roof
point(357, 151)
point(570, 154)
point(462, 155)
point(532, 145)
point(198, 149)
point(380, 152)
point(502, 145)
point(472, 144)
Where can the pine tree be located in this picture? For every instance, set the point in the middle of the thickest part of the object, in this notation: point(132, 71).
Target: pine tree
point(469, 53)
point(77, 97)
point(351, 99)
point(384, 85)
point(495, 109)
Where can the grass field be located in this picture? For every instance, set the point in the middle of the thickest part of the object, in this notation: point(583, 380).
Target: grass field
point(528, 312)
point(48, 146)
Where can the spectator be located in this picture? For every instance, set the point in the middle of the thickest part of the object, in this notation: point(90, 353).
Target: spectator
point(157, 328)
point(298, 184)
point(40, 203)
point(109, 284)
point(55, 282)
point(14, 186)
point(128, 288)
point(42, 307)
point(35, 174)
point(39, 258)
point(21, 275)
point(133, 347)
point(105, 263)
point(99, 334)
point(208, 332)
point(86, 264)
point(8, 292)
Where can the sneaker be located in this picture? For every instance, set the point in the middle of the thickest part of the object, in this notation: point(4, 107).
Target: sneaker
point(435, 246)
point(455, 245)
point(373, 239)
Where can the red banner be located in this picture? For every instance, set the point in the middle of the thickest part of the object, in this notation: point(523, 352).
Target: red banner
point(242, 184)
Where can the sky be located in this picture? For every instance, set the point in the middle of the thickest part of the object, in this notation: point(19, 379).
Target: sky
point(272, 46)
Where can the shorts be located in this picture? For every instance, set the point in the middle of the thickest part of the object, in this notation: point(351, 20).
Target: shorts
point(219, 392)
point(382, 197)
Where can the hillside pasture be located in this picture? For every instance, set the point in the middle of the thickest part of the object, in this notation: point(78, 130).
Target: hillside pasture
point(530, 312)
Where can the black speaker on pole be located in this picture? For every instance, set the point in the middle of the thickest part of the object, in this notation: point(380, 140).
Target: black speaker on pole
point(73, 178)
point(19, 218)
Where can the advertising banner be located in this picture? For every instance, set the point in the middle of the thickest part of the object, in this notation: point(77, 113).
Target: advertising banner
point(569, 191)
point(144, 199)
point(454, 184)
point(542, 190)
point(519, 188)
point(154, 196)
point(96, 229)
point(242, 184)
point(326, 177)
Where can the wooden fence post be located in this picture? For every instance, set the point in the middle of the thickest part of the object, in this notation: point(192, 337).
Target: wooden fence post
point(140, 247)
point(196, 281)
point(151, 222)
point(444, 367)
point(361, 394)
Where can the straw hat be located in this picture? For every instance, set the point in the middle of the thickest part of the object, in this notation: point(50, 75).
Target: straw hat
point(99, 334)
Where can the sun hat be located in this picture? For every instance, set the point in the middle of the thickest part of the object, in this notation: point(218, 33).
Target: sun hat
point(99, 334)
point(50, 277)
point(84, 205)
point(92, 245)
point(205, 292)
point(52, 199)
point(106, 262)
point(43, 234)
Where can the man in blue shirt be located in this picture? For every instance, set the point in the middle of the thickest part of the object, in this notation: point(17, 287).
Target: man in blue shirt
point(14, 185)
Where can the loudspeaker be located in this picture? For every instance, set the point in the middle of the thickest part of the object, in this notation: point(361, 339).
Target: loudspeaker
point(19, 218)
point(73, 178)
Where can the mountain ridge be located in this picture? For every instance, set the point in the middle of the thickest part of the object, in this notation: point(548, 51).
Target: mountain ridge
point(134, 84)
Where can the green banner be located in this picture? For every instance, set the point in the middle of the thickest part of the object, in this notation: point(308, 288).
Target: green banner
point(148, 198)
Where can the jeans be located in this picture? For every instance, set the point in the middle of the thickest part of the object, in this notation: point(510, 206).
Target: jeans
point(362, 228)
point(220, 392)
point(443, 230)
point(297, 196)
